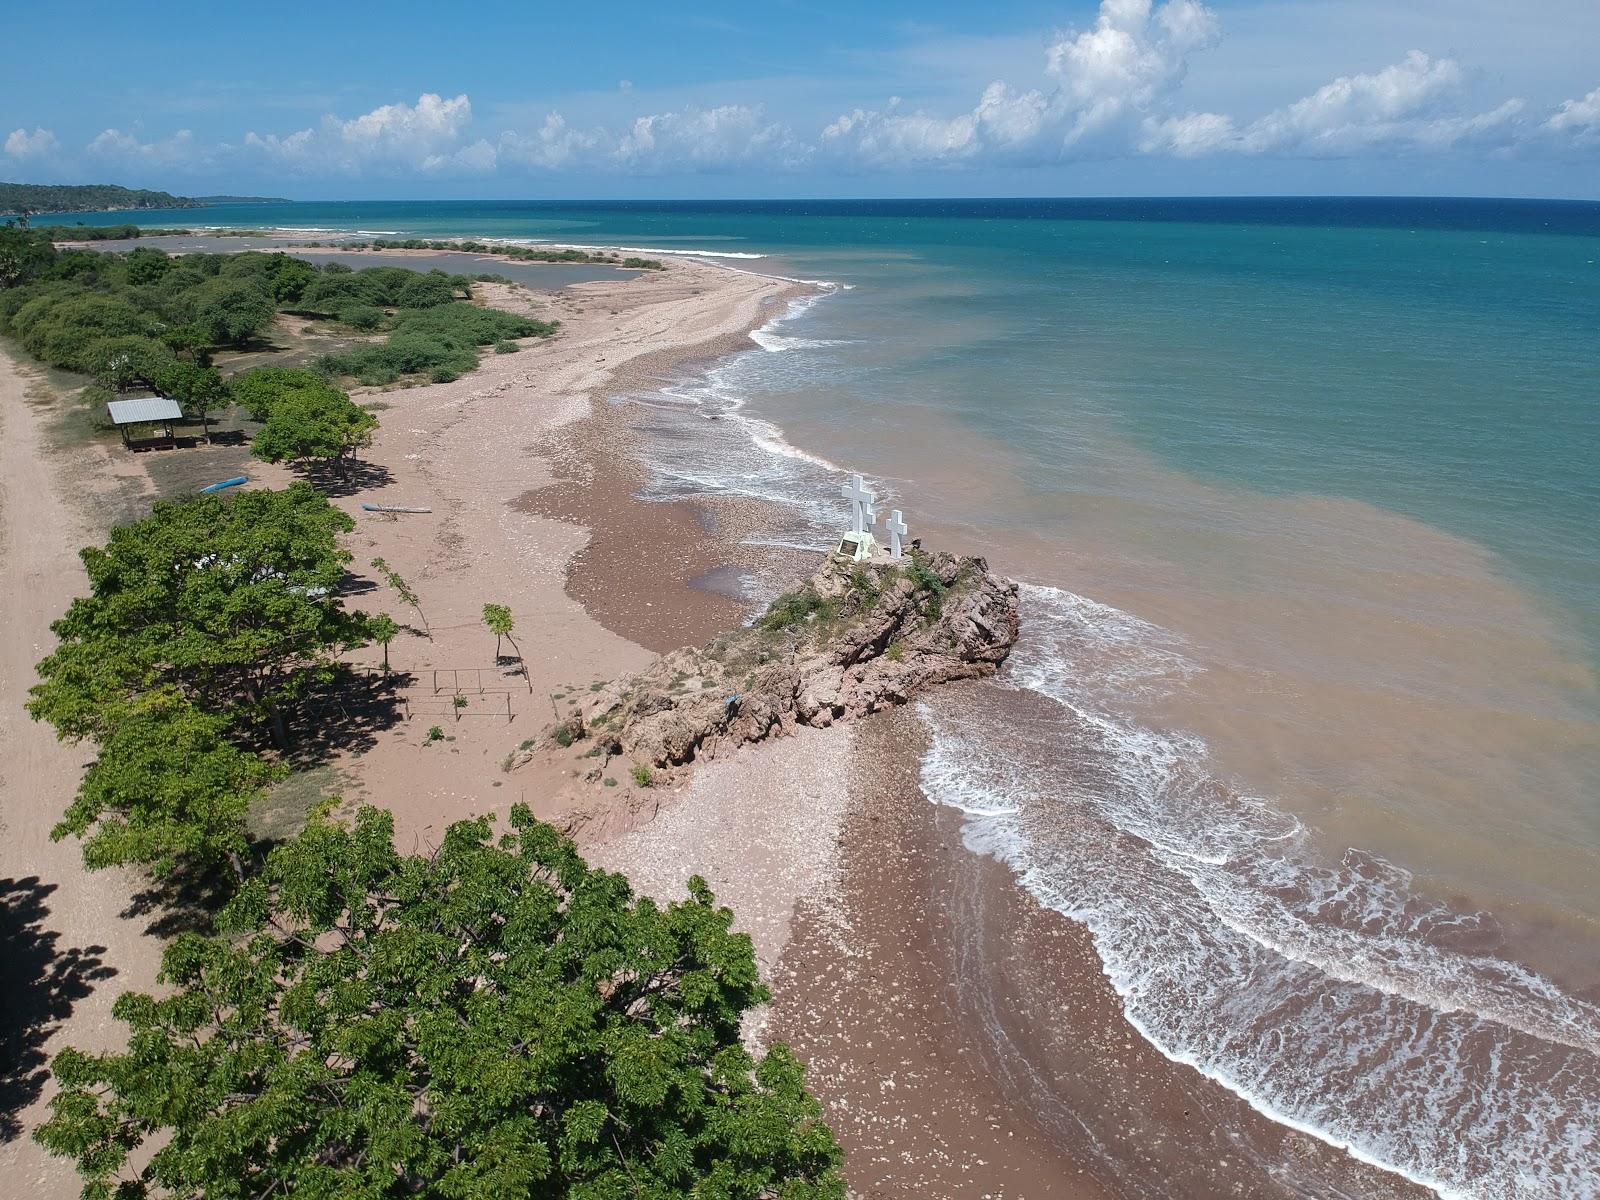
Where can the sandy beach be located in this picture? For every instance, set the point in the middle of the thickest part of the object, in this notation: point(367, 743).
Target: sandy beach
point(472, 451)
point(962, 1039)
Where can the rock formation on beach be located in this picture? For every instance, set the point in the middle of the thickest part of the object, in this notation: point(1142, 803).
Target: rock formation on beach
point(855, 638)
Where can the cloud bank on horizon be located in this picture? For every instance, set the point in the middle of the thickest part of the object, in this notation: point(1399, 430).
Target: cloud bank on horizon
point(1111, 89)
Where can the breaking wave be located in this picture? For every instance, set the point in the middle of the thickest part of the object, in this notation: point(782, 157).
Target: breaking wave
point(1329, 995)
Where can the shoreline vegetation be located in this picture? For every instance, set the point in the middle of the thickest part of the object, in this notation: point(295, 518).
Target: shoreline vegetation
point(517, 253)
point(26, 199)
point(152, 321)
point(198, 667)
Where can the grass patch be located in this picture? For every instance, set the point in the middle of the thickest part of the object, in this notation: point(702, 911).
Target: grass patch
point(923, 577)
point(794, 608)
point(281, 813)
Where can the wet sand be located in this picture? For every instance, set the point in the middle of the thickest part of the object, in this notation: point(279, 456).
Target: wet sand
point(963, 1039)
point(966, 1043)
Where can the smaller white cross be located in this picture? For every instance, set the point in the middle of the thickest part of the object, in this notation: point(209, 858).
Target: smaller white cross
point(896, 526)
point(861, 512)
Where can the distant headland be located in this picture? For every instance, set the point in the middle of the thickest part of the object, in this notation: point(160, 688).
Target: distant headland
point(26, 198)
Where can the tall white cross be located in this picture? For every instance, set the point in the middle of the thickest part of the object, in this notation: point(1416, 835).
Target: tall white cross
point(861, 510)
point(896, 525)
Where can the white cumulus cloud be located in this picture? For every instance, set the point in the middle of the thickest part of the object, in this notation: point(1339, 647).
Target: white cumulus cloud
point(1410, 105)
point(429, 135)
point(41, 143)
point(1133, 58)
point(699, 139)
point(1116, 91)
point(554, 145)
point(724, 137)
point(1579, 118)
point(125, 148)
point(1103, 78)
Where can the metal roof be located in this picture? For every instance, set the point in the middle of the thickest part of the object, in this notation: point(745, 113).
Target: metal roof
point(144, 410)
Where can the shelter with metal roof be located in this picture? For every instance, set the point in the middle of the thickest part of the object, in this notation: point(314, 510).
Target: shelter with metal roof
point(144, 410)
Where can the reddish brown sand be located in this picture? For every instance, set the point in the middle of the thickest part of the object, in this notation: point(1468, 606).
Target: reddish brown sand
point(963, 1040)
point(966, 1043)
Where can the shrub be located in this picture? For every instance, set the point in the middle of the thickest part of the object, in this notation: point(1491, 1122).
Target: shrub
point(362, 316)
point(926, 581)
point(642, 776)
point(794, 608)
point(440, 342)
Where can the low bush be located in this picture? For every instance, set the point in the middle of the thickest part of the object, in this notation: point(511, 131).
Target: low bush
point(440, 342)
point(794, 608)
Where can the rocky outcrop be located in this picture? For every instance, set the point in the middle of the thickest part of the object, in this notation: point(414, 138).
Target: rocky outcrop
point(855, 638)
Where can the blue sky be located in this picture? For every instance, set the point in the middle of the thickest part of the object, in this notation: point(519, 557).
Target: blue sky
point(1120, 97)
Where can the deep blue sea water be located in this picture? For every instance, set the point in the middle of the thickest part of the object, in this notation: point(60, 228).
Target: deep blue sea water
point(1306, 496)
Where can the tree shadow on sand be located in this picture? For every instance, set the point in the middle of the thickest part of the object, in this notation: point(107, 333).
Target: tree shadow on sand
point(39, 984)
point(185, 900)
point(346, 715)
point(335, 480)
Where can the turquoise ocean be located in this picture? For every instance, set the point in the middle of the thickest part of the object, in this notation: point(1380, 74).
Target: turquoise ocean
point(1305, 499)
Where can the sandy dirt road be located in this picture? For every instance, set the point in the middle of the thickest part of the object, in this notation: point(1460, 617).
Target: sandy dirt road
point(66, 948)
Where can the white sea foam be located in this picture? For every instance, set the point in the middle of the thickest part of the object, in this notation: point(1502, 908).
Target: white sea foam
point(769, 339)
point(675, 252)
point(1326, 994)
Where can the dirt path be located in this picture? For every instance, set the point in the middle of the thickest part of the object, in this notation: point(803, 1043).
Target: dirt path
point(66, 949)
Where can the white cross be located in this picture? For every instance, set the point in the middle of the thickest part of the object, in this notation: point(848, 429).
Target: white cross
point(896, 526)
point(861, 511)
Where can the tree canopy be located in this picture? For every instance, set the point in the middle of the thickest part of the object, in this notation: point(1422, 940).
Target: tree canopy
point(496, 1019)
point(168, 787)
point(203, 621)
point(304, 423)
point(62, 302)
point(232, 600)
point(230, 312)
point(256, 391)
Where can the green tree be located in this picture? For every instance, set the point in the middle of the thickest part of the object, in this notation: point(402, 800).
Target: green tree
point(497, 617)
point(24, 254)
point(168, 787)
point(426, 291)
point(289, 277)
point(496, 1019)
point(146, 265)
point(128, 360)
point(230, 312)
point(326, 425)
point(258, 390)
point(383, 630)
point(199, 390)
point(230, 599)
point(403, 590)
point(60, 322)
